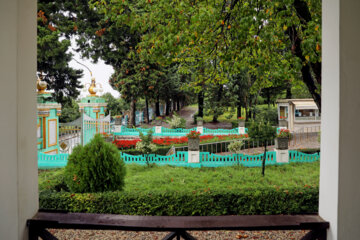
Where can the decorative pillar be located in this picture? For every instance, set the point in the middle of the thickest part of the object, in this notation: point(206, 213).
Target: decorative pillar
point(93, 105)
point(193, 150)
point(193, 147)
point(241, 126)
point(200, 125)
point(48, 112)
point(158, 122)
point(282, 149)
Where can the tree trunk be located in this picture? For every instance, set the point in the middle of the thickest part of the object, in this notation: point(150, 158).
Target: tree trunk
point(173, 104)
point(303, 12)
point(177, 104)
point(157, 108)
point(215, 118)
point(201, 104)
point(167, 107)
point(147, 120)
point(288, 92)
point(238, 110)
point(132, 112)
point(264, 159)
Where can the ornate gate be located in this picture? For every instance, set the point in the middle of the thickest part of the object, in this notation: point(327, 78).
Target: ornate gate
point(81, 131)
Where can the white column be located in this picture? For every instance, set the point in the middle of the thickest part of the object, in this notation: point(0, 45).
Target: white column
point(340, 128)
point(18, 172)
point(241, 130)
point(200, 129)
point(157, 129)
point(282, 156)
point(193, 156)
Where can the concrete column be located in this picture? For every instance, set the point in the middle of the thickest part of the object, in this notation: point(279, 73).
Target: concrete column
point(200, 129)
point(241, 130)
point(157, 129)
point(193, 156)
point(18, 172)
point(282, 156)
point(340, 128)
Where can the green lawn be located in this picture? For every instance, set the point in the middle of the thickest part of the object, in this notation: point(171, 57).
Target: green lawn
point(178, 179)
point(176, 191)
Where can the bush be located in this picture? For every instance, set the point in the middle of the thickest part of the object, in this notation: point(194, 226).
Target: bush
point(95, 167)
point(206, 203)
point(267, 114)
point(236, 147)
point(176, 122)
point(161, 150)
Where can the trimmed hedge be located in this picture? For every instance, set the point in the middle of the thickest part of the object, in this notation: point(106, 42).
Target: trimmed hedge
point(206, 203)
point(161, 150)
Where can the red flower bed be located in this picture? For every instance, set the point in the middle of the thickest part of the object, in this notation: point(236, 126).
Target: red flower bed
point(166, 141)
point(126, 143)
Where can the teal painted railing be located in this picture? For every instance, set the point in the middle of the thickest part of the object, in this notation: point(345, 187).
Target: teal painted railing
point(180, 159)
point(213, 160)
point(178, 132)
point(46, 161)
point(296, 156)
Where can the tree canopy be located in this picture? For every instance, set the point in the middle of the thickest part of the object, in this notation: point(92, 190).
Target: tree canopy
point(275, 41)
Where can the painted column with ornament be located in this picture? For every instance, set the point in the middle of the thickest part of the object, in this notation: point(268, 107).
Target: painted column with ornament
point(48, 112)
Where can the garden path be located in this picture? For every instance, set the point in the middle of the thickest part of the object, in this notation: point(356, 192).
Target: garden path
point(188, 113)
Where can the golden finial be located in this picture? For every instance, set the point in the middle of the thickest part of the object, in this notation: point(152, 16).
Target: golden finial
point(92, 88)
point(41, 85)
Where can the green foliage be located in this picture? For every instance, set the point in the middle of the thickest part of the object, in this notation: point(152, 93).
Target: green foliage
point(265, 113)
point(52, 54)
point(146, 146)
point(260, 131)
point(211, 203)
point(95, 167)
point(116, 106)
point(276, 42)
point(69, 111)
point(287, 189)
point(160, 150)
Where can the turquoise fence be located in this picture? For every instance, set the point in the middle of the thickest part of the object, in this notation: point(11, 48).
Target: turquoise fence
point(180, 159)
point(46, 161)
point(296, 156)
point(213, 160)
point(178, 132)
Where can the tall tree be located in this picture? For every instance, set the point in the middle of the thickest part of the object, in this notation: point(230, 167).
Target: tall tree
point(53, 57)
point(276, 40)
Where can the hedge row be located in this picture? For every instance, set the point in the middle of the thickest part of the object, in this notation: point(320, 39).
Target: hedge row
point(162, 150)
point(244, 202)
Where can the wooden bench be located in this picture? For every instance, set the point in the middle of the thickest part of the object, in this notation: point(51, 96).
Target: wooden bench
point(176, 225)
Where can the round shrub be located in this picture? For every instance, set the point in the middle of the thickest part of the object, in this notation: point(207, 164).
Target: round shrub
point(95, 167)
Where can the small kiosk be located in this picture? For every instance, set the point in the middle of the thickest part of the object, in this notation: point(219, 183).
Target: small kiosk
point(299, 112)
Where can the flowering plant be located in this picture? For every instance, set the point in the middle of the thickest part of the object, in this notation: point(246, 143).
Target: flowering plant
point(193, 134)
point(283, 133)
point(117, 116)
point(283, 117)
point(105, 134)
point(159, 118)
point(241, 118)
